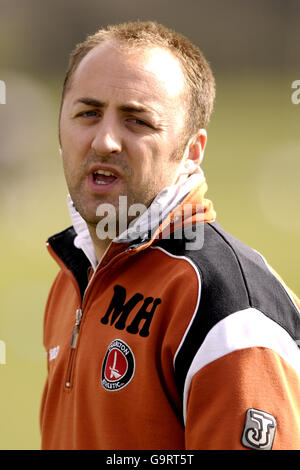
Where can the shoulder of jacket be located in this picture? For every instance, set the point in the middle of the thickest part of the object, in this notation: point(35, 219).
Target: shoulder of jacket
point(233, 278)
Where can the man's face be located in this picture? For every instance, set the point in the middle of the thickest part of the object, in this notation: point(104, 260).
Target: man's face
point(123, 115)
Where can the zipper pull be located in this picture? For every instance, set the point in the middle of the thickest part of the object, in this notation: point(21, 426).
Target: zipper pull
point(75, 331)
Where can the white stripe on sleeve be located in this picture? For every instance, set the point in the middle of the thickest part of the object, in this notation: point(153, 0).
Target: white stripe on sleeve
point(244, 329)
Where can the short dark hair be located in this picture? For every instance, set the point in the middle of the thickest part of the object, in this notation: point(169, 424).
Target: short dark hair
point(197, 72)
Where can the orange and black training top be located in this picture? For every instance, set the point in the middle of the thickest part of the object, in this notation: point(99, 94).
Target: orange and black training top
point(164, 346)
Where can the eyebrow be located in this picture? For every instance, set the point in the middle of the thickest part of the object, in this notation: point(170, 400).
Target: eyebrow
point(136, 108)
point(90, 102)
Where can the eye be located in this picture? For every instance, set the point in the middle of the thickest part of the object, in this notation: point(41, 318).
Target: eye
point(88, 114)
point(138, 122)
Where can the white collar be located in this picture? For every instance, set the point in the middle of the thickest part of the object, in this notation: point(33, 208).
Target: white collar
point(83, 239)
point(161, 206)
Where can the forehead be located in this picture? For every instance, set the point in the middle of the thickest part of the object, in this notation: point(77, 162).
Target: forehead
point(148, 73)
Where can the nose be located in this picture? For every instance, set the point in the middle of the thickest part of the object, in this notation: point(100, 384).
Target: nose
point(107, 139)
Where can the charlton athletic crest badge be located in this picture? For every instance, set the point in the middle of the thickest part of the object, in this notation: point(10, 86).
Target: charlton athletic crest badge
point(118, 366)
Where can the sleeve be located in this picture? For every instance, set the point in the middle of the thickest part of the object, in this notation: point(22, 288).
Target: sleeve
point(242, 389)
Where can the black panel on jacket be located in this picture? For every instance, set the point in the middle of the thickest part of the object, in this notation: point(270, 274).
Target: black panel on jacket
point(233, 277)
point(74, 258)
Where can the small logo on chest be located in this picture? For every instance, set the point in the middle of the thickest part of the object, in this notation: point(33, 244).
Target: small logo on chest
point(118, 366)
point(53, 353)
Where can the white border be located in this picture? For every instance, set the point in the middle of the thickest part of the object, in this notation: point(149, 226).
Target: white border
point(198, 296)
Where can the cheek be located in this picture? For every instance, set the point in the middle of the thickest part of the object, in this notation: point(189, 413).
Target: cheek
point(74, 150)
point(146, 155)
point(152, 167)
point(70, 162)
point(67, 167)
point(72, 137)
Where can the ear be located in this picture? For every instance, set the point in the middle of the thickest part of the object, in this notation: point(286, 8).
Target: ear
point(192, 156)
point(194, 151)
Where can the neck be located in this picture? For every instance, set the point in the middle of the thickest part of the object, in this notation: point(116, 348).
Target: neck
point(100, 245)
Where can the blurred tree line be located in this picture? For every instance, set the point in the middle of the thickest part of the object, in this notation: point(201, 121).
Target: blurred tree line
point(37, 36)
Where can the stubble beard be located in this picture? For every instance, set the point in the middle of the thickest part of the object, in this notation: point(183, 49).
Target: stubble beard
point(88, 211)
point(144, 197)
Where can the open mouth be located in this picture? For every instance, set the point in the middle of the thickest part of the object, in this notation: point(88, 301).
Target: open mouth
point(102, 177)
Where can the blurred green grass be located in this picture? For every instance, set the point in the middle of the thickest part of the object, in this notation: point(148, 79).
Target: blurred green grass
point(252, 167)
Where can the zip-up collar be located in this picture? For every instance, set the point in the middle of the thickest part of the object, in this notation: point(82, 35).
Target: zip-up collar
point(160, 208)
point(74, 251)
point(82, 238)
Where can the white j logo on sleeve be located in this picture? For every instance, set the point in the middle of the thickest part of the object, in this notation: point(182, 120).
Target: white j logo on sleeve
point(259, 430)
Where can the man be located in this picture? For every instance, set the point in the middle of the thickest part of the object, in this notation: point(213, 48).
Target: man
point(162, 330)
